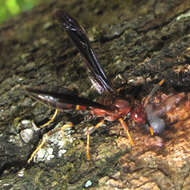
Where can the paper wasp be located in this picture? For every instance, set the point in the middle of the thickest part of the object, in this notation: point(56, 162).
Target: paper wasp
point(149, 113)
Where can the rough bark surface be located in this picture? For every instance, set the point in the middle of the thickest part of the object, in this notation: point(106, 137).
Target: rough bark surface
point(142, 41)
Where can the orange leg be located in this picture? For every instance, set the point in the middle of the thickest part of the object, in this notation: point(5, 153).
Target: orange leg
point(147, 100)
point(151, 130)
point(88, 138)
point(88, 147)
point(44, 139)
point(126, 130)
point(51, 119)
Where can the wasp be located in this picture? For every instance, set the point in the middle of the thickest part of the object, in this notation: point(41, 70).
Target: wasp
point(151, 113)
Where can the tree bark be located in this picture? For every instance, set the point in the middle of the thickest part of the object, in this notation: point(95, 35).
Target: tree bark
point(138, 44)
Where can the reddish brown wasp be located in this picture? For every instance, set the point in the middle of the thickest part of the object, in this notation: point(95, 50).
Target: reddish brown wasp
point(148, 113)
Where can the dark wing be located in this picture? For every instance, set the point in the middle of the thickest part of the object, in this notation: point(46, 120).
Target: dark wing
point(80, 39)
point(63, 100)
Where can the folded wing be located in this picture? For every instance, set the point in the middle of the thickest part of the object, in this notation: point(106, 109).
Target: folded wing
point(80, 39)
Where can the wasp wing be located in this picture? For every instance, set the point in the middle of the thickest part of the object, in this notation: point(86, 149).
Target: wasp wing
point(80, 39)
point(63, 100)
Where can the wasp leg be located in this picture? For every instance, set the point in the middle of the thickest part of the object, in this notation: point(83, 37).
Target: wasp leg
point(67, 125)
point(88, 147)
point(88, 138)
point(38, 147)
point(51, 119)
point(154, 90)
point(124, 125)
point(44, 139)
point(151, 130)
